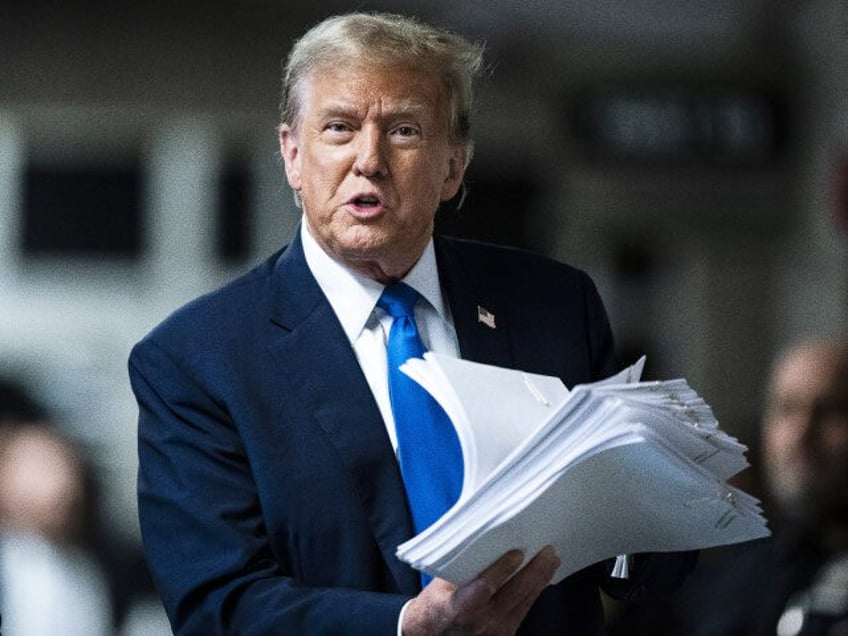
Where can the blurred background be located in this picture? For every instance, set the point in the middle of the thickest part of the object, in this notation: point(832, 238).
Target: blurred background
point(691, 155)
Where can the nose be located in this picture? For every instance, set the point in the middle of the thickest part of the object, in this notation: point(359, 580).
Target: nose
point(370, 154)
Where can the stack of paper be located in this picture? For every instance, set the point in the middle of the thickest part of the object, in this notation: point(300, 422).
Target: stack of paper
point(614, 467)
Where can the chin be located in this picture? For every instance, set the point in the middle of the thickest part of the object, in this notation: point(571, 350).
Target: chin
point(361, 250)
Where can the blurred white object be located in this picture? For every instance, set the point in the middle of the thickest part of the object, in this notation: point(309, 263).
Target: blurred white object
point(46, 589)
point(146, 618)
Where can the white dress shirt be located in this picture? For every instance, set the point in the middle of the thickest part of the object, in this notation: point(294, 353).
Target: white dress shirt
point(353, 298)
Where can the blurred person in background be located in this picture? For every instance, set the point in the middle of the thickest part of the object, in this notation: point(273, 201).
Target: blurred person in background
point(63, 568)
point(50, 583)
point(804, 446)
point(794, 583)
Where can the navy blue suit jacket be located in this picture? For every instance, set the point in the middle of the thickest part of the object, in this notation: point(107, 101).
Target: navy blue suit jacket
point(270, 499)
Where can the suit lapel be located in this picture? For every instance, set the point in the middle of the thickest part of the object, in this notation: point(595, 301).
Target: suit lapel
point(480, 313)
point(335, 393)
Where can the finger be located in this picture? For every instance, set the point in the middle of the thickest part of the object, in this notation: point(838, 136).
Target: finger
point(525, 586)
point(481, 589)
point(501, 570)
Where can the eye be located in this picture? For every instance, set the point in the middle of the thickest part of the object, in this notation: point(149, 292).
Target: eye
point(406, 131)
point(337, 127)
point(337, 132)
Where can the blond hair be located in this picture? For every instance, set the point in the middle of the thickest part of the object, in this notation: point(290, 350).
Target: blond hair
point(385, 40)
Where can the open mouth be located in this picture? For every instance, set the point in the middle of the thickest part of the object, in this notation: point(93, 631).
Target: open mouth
point(366, 202)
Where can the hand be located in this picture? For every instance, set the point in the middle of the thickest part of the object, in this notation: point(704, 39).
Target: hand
point(493, 604)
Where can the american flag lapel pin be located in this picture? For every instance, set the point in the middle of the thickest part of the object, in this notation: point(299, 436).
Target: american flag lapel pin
point(486, 317)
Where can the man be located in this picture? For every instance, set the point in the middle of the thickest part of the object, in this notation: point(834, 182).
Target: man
point(805, 461)
point(805, 433)
point(796, 582)
point(271, 500)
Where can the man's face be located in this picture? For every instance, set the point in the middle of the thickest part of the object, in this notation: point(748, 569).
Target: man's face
point(805, 433)
point(371, 159)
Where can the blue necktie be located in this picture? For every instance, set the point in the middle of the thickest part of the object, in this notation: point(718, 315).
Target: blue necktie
point(428, 449)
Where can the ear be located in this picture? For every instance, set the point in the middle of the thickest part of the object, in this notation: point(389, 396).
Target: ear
point(460, 157)
point(290, 152)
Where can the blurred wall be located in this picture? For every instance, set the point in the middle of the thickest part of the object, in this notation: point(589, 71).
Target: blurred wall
point(711, 242)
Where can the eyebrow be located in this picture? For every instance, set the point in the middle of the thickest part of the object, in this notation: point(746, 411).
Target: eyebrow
point(401, 108)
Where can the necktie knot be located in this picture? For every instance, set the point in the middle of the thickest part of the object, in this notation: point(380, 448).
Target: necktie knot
point(398, 300)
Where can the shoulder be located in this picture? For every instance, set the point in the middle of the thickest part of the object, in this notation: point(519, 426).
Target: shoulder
point(508, 266)
point(554, 315)
point(215, 314)
point(472, 253)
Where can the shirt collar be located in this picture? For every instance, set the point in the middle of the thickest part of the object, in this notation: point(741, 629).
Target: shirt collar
point(353, 296)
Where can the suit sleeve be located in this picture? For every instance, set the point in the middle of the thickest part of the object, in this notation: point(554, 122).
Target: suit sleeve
point(202, 525)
